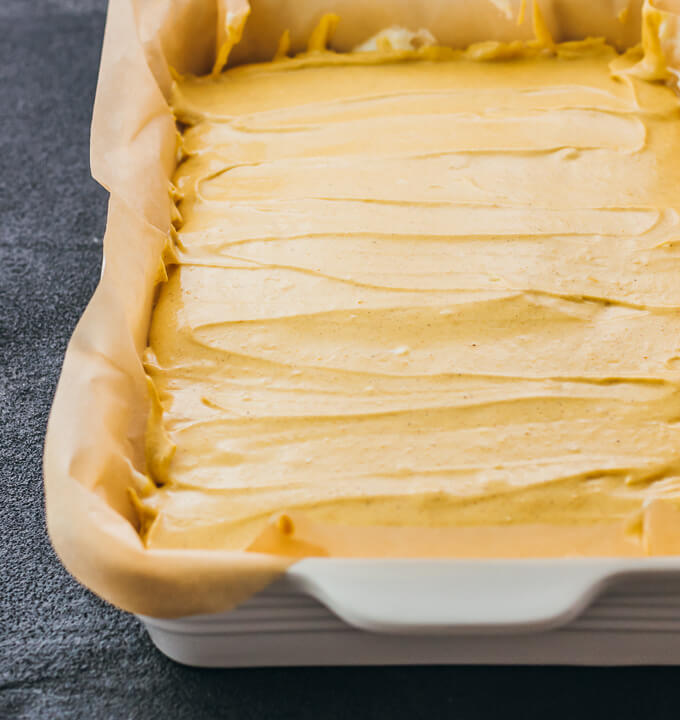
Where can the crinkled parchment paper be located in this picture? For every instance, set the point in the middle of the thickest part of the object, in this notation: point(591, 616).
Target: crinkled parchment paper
point(94, 447)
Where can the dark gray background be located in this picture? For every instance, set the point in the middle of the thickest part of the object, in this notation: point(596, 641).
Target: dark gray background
point(63, 652)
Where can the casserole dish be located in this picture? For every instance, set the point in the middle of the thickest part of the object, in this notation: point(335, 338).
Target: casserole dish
point(95, 442)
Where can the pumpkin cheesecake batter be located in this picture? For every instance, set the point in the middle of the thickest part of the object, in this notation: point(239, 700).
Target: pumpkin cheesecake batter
point(421, 289)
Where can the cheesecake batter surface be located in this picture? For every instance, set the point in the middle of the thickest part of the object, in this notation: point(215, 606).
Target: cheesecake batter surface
point(419, 289)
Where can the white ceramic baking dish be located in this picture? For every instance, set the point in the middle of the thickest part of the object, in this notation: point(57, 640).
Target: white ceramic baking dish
point(322, 611)
point(580, 611)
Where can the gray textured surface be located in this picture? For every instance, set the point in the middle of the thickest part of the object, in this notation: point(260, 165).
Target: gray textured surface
point(63, 652)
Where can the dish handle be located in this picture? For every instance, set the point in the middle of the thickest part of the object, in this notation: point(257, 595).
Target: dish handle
point(447, 596)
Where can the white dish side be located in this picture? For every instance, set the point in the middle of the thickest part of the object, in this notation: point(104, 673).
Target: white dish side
point(380, 612)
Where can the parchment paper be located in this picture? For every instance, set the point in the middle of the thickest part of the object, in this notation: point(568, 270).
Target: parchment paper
point(94, 445)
